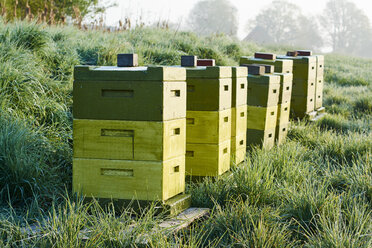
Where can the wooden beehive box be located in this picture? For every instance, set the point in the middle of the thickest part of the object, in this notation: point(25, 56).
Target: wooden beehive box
point(129, 93)
point(304, 67)
point(129, 140)
point(263, 90)
point(261, 118)
point(128, 179)
point(286, 83)
point(301, 105)
point(262, 138)
point(280, 65)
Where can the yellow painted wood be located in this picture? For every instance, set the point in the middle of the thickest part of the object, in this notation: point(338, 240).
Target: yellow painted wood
point(209, 94)
point(319, 91)
point(239, 86)
point(263, 90)
point(129, 100)
point(281, 133)
point(238, 148)
point(126, 179)
point(283, 113)
point(286, 83)
point(114, 73)
point(300, 106)
point(238, 121)
point(215, 72)
point(320, 65)
point(261, 118)
point(208, 127)
point(304, 67)
point(280, 65)
point(133, 140)
point(262, 138)
point(208, 160)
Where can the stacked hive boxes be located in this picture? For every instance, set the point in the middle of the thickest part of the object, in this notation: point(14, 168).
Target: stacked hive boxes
point(239, 114)
point(129, 132)
point(208, 128)
point(319, 83)
point(262, 101)
point(283, 68)
point(303, 90)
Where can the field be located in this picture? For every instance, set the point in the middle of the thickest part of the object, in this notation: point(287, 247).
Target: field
point(313, 191)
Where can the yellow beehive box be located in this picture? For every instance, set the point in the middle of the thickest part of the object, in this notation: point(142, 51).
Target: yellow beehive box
point(300, 105)
point(208, 160)
point(262, 138)
point(319, 82)
point(320, 65)
point(263, 90)
point(129, 140)
point(286, 82)
point(281, 133)
point(209, 88)
point(127, 179)
point(283, 113)
point(238, 121)
point(238, 148)
point(208, 127)
point(304, 67)
point(280, 65)
point(129, 93)
point(239, 86)
point(319, 98)
point(261, 118)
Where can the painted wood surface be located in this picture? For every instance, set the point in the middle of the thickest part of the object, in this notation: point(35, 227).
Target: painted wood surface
point(239, 86)
point(208, 127)
point(283, 113)
point(303, 87)
point(286, 84)
point(261, 118)
point(125, 179)
point(262, 138)
point(209, 94)
point(238, 148)
point(208, 160)
point(263, 92)
point(129, 100)
point(208, 72)
point(300, 106)
point(280, 65)
point(238, 121)
point(129, 140)
point(281, 133)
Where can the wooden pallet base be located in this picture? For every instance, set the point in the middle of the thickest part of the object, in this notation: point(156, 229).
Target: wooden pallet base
point(172, 206)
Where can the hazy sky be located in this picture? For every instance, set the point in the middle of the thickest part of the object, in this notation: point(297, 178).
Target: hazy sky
point(178, 10)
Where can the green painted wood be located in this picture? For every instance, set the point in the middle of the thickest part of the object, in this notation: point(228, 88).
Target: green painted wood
point(283, 113)
point(209, 94)
point(209, 72)
point(238, 148)
point(126, 179)
point(280, 65)
point(262, 138)
point(301, 106)
point(261, 118)
point(208, 160)
point(263, 90)
point(208, 127)
point(286, 84)
point(303, 87)
point(239, 86)
point(129, 140)
point(114, 73)
point(129, 100)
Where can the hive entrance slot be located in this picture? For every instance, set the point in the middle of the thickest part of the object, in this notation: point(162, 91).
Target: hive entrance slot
point(176, 93)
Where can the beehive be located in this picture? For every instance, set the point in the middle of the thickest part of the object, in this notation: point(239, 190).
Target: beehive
point(239, 114)
point(286, 84)
point(129, 132)
point(208, 128)
point(319, 82)
point(261, 118)
point(302, 105)
point(263, 138)
point(280, 65)
point(281, 133)
point(282, 122)
point(263, 90)
point(129, 93)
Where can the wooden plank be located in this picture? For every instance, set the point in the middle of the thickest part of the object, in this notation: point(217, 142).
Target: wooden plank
point(189, 61)
point(206, 62)
point(133, 140)
point(261, 118)
point(268, 56)
point(263, 90)
point(208, 127)
point(125, 179)
point(211, 72)
point(239, 86)
point(238, 121)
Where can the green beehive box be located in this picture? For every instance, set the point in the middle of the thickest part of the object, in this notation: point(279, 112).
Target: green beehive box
point(280, 65)
point(129, 140)
point(129, 93)
point(286, 84)
point(304, 67)
point(319, 82)
point(208, 127)
point(209, 88)
point(261, 118)
point(208, 160)
point(303, 87)
point(281, 133)
point(262, 138)
point(239, 86)
point(302, 105)
point(128, 179)
point(263, 90)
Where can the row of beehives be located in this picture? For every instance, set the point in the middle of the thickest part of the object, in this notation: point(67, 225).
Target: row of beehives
point(139, 130)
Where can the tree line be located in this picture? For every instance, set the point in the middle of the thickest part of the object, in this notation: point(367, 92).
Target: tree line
point(342, 26)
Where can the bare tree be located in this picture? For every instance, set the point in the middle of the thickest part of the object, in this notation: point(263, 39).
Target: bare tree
point(348, 29)
point(214, 16)
point(284, 23)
